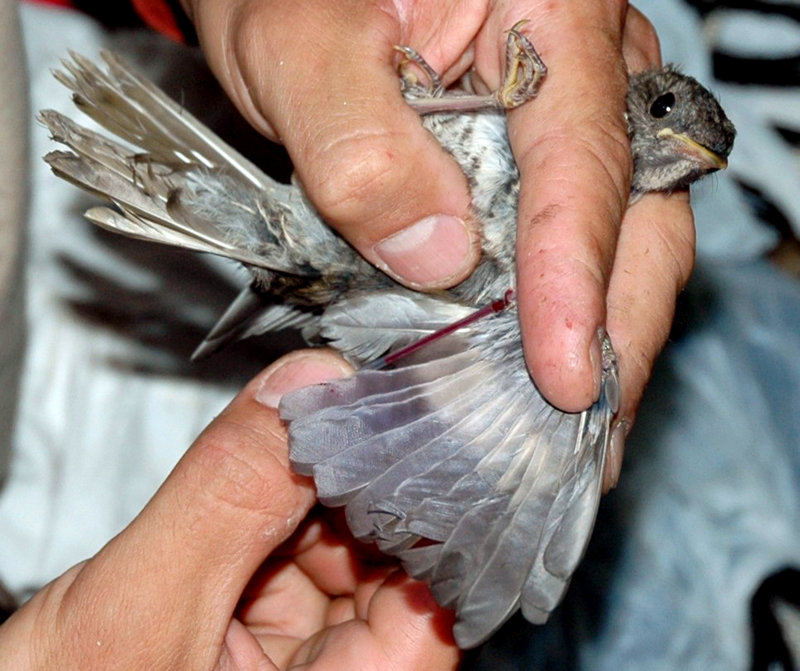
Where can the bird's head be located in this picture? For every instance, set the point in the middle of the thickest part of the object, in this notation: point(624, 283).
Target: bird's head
point(678, 131)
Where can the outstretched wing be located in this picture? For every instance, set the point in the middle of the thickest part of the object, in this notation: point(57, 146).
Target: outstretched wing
point(453, 462)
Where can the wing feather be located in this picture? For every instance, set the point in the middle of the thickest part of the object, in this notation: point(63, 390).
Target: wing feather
point(366, 325)
point(375, 415)
point(456, 448)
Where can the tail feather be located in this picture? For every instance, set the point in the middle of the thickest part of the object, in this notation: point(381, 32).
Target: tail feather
point(167, 184)
point(145, 215)
point(104, 152)
point(139, 112)
point(252, 312)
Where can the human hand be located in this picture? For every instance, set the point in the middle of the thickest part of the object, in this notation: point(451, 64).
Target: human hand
point(320, 77)
point(205, 578)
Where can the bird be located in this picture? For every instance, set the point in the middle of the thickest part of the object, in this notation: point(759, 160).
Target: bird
point(440, 447)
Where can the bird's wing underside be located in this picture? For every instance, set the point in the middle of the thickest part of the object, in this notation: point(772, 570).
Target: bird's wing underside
point(452, 461)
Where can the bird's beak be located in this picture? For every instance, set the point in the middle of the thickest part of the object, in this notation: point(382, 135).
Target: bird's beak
point(693, 148)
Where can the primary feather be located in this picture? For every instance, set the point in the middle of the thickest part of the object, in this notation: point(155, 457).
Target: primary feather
point(455, 447)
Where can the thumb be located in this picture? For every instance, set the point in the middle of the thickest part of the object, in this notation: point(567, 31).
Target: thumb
point(162, 593)
point(328, 89)
point(230, 501)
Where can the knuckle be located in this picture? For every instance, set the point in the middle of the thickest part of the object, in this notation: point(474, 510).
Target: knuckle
point(598, 146)
point(641, 360)
point(348, 178)
point(588, 186)
point(636, 367)
point(238, 69)
point(678, 245)
point(238, 469)
point(608, 149)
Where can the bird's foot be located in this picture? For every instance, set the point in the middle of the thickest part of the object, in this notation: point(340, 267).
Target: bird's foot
point(524, 73)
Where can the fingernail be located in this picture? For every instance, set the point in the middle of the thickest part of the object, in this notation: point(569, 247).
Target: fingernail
point(428, 253)
point(616, 449)
point(596, 361)
point(294, 372)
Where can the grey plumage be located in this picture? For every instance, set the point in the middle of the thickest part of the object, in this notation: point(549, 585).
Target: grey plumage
point(452, 445)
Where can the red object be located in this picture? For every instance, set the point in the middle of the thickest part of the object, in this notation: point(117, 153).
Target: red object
point(493, 308)
point(61, 3)
point(158, 15)
point(155, 13)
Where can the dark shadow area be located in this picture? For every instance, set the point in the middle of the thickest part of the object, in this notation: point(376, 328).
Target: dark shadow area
point(773, 640)
point(169, 318)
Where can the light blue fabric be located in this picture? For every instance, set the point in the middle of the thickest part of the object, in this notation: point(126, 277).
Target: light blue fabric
point(710, 503)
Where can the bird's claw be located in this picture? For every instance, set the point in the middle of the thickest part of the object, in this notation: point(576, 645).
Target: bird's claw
point(411, 56)
point(525, 70)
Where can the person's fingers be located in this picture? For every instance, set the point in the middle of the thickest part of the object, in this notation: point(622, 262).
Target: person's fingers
point(328, 89)
point(230, 500)
point(640, 303)
point(291, 593)
point(654, 260)
point(373, 610)
point(404, 610)
point(333, 560)
point(283, 600)
point(655, 255)
point(640, 45)
point(281, 608)
point(572, 149)
point(399, 626)
point(241, 650)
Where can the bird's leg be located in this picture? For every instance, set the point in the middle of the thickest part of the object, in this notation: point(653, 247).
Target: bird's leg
point(524, 73)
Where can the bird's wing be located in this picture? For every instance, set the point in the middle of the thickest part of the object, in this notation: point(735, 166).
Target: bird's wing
point(364, 326)
point(453, 462)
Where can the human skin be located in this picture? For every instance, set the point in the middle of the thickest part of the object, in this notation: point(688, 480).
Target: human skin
point(225, 569)
point(320, 77)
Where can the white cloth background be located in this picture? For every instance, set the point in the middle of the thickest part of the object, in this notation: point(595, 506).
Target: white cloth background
point(97, 428)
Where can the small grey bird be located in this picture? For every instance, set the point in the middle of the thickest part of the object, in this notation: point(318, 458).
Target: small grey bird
point(440, 446)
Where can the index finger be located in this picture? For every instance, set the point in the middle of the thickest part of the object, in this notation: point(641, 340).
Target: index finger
point(573, 154)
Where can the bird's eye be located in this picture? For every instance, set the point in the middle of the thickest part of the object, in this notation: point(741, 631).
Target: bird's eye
point(662, 105)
